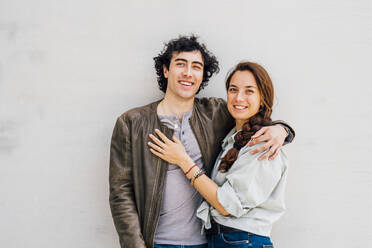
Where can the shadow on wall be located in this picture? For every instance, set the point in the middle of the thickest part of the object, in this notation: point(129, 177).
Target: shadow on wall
point(10, 29)
point(7, 137)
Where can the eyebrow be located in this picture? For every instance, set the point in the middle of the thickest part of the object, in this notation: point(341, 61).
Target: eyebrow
point(249, 86)
point(193, 62)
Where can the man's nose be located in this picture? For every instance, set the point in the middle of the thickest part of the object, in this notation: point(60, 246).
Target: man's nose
point(187, 71)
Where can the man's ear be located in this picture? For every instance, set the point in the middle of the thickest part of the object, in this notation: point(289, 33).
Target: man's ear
point(165, 71)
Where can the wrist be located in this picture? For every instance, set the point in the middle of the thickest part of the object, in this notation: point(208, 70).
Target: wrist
point(285, 130)
point(190, 169)
point(186, 164)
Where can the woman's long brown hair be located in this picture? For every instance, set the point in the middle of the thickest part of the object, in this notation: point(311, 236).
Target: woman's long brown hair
point(256, 122)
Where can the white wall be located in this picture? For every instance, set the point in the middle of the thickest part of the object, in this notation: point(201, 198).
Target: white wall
point(69, 68)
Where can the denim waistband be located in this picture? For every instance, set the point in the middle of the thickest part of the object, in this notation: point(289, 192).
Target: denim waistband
point(218, 228)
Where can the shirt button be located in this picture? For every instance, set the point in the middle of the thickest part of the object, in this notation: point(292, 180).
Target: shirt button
point(183, 132)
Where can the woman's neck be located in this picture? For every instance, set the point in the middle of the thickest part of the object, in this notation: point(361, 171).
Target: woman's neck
point(239, 124)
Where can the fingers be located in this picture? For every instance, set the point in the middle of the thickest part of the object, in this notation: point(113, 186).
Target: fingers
point(275, 153)
point(264, 156)
point(157, 153)
point(174, 138)
point(157, 141)
point(155, 147)
point(162, 136)
point(269, 153)
point(260, 139)
point(261, 148)
point(259, 132)
point(264, 136)
point(272, 151)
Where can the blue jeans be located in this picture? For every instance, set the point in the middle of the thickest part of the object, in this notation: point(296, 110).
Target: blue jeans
point(238, 240)
point(180, 246)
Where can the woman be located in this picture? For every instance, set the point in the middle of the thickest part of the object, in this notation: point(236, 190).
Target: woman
point(245, 196)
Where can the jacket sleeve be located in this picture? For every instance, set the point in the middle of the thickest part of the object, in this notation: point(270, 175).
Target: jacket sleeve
point(289, 129)
point(250, 182)
point(122, 203)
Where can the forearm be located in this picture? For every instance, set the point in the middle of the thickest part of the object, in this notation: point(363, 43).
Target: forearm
point(125, 216)
point(123, 208)
point(204, 185)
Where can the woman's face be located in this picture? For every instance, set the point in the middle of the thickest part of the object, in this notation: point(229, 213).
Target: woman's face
point(243, 97)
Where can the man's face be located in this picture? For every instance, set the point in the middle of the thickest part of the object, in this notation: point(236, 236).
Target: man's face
point(184, 75)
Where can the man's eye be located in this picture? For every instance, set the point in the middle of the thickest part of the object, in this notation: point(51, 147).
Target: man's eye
point(180, 64)
point(232, 90)
point(197, 67)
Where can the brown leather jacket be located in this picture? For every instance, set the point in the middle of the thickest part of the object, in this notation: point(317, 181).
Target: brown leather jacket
point(137, 176)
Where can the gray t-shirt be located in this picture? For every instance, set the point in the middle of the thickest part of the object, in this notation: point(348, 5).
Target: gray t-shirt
point(178, 224)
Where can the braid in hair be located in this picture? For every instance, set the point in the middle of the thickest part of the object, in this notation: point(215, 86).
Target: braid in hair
point(249, 128)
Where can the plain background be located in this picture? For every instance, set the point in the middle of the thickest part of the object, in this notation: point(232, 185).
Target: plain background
point(69, 68)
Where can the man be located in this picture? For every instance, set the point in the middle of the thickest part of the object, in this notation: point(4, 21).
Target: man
point(151, 201)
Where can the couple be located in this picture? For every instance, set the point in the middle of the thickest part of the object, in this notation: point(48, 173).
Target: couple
point(157, 183)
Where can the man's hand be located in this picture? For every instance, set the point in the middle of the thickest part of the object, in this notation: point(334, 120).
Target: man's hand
point(274, 136)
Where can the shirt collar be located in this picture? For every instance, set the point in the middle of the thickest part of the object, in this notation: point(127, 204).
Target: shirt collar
point(229, 139)
point(174, 117)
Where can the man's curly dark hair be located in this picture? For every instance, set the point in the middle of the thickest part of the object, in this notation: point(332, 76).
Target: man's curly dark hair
point(185, 44)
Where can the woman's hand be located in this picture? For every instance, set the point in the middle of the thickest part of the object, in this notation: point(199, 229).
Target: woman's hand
point(274, 137)
point(171, 151)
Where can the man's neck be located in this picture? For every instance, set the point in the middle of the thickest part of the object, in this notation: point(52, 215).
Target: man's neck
point(175, 106)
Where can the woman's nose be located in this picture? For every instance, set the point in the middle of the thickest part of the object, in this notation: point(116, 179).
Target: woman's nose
point(240, 96)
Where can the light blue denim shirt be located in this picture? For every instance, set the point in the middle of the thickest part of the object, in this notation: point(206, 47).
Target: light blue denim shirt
point(252, 191)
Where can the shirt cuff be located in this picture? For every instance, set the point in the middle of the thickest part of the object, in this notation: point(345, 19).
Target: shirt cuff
point(204, 214)
point(228, 198)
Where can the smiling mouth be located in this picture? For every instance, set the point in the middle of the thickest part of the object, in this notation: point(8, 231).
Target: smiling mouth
point(186, 83)
point(240, 107)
